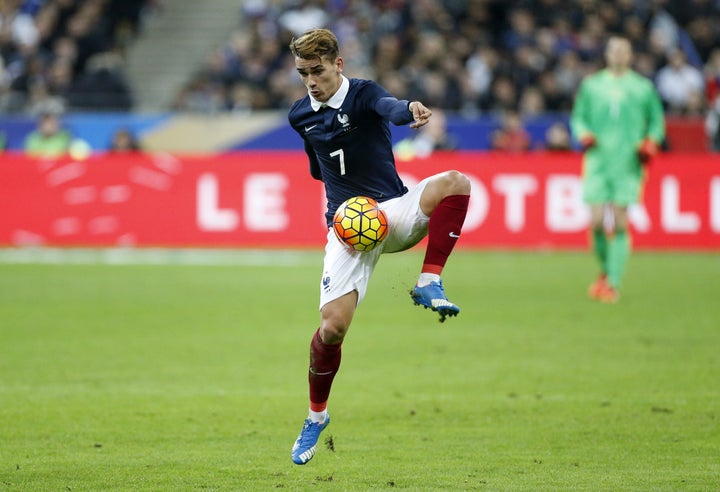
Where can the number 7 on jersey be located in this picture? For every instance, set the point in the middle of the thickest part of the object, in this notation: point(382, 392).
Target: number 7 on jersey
point(341, 154)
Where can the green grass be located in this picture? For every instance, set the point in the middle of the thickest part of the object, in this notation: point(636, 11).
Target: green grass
point(194, 378)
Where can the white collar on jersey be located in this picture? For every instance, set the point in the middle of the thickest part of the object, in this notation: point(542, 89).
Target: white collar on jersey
point(336, 100)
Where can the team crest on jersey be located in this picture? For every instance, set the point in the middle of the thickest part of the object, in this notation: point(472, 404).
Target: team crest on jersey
point(344, 120)
point(326, 283)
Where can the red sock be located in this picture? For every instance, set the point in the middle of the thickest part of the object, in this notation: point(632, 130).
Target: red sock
point(324, 364)
point(443, 231)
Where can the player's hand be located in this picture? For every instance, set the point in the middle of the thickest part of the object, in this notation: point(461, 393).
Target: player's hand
point(647, 150)
point(587, 142)
point(421, 114)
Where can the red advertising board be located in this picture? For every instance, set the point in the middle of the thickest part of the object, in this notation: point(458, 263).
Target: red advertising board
point(268, 199)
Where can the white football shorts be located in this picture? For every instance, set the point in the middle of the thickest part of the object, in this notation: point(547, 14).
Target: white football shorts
point(345, 269)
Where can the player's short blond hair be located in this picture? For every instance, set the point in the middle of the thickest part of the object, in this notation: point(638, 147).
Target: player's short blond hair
point(315, 43)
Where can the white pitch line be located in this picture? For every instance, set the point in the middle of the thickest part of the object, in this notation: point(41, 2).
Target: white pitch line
point(159, 256)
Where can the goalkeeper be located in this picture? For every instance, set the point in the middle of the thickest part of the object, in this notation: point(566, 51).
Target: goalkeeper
point(618, 119)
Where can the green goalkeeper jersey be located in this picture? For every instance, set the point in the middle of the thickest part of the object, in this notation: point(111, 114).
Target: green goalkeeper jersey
point(619, 112)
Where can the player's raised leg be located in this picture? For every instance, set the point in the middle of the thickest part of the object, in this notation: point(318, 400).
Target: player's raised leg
point(325, 356)
point(445, 200)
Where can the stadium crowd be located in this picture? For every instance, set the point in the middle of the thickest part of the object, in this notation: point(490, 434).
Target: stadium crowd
point(524, 57)
point(62, 54)
point(469, 56)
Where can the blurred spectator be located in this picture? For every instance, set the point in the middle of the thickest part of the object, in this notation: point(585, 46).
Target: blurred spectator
point(4, 84)
point(123, 140)
point(557, 137)
point(646, 65)
point(512, 135)
point(101, 86)
point(532, 102)
point(555, 99)
point(503, 95)
point(17, 28)
point(49, 139)
point(712, 125)
point(202, 95)
point(480, 67)
point(676, 82)
point(696, 104)
point(568, 72)
point(429, 138)
point(663, 29)
point(126, 17)
point(712, 75)
point(527, 65)
point(307, 14)
point(704, 33)
point(521, 31)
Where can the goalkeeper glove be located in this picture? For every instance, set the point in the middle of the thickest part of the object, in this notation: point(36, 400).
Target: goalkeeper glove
point(587, 142)
point(647, 150)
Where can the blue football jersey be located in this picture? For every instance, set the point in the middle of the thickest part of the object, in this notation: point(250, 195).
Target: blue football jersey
point(350, 147)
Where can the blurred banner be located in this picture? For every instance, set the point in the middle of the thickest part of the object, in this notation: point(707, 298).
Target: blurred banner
point(268, 199)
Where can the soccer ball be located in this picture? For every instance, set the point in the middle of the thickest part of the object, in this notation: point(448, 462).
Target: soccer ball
point(360, 223)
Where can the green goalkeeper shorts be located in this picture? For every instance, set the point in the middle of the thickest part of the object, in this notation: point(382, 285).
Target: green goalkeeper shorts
point(620, 188)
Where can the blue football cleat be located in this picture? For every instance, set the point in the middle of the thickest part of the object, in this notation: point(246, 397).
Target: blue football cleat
point(304, 448)
point(433, 296)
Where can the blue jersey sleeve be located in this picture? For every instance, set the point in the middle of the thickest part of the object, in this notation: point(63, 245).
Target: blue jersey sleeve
point(394, 110)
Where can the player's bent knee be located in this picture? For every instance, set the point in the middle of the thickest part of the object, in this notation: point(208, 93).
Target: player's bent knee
point(333, 326)
point(332, 333)
point(457, 183)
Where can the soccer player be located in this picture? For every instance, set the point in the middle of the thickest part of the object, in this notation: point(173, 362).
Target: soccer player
point(618, 119)
point(344, 124)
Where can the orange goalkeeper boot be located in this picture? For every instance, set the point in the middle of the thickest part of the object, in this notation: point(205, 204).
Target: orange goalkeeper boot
point(608, 295)
point(597, 287)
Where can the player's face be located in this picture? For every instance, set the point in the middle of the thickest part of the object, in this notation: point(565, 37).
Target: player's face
point(618, 54)
point(321, 76)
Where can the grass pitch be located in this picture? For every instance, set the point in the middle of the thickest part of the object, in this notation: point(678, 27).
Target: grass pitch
point(181, 377)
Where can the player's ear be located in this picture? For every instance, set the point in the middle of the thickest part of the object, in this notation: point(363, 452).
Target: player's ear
point(339, 63)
